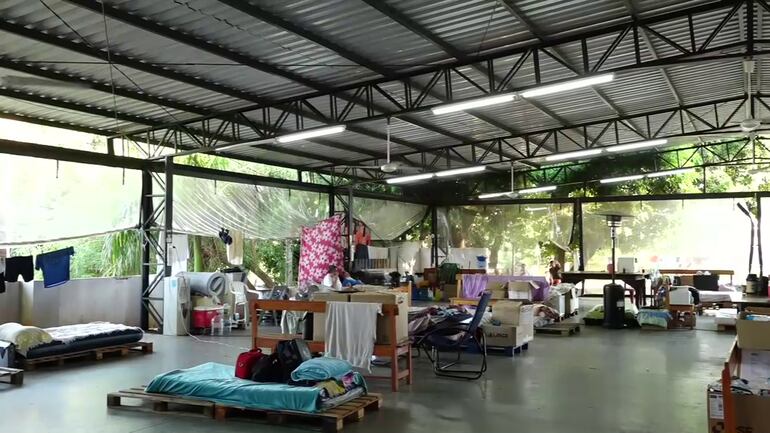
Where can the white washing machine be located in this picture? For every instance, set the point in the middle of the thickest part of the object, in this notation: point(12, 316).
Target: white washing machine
point(176, 306)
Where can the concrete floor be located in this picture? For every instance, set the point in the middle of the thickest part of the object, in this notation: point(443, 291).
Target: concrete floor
point(599, 381)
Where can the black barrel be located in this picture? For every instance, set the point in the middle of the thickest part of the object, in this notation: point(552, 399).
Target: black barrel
point(614, 307)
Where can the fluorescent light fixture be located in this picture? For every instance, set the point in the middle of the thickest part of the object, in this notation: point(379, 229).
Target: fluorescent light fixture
point(474, 103)
point(535, 209)
point(464, 170)
point(573, 155)
point(670, 172)
point(537, 189)
point(637, 145)
point(237, 145)
point(310, 133)
point(494, 195)
point(567, 85)
point(412, 178)
point(622, 178)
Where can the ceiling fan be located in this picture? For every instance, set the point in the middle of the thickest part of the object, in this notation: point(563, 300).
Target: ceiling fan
point(16, 81)
point(389, 166)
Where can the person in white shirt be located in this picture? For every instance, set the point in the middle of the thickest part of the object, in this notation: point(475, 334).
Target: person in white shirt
point(332, 279)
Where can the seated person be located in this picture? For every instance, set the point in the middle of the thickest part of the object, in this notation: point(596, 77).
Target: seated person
point(348, 281)
point(332, 278)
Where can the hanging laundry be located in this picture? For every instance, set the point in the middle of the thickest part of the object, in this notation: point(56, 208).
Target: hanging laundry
point(235, 248)
point(320, 247)
point(2, 276)
point(55, 266)
point(21, 265)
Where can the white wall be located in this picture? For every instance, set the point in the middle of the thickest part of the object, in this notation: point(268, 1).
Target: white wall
point(10, 303)
point(84, 300)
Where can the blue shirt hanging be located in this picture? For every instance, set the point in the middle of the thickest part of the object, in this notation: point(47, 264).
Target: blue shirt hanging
point(55, 266)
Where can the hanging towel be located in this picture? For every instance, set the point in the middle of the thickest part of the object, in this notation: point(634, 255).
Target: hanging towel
point(55, 266)
point(351, 329)
point(235, 248)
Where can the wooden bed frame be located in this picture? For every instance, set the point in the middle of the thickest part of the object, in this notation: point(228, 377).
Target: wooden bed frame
point(392, 350)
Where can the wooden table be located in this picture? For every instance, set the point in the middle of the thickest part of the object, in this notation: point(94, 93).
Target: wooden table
point(751, 301)
point(636, 280)
point(392, 350)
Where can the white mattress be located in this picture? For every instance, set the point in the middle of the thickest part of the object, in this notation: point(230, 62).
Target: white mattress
point(707, 296)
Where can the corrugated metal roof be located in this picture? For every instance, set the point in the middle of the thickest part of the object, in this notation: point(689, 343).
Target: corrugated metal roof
point(469, 27)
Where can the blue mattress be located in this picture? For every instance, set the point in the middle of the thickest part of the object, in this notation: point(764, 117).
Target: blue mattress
point(91, 342)
point(217, 383)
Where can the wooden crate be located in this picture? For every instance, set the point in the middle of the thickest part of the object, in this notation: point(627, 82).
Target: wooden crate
point(98, 353)
point(560, 328)
point(14, 375)
point(331, 420)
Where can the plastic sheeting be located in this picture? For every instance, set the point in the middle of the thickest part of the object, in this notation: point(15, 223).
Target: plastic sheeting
point(386, 219)
point(511, 233)
point(678, 234)
point(203, 206)
point(42, 203)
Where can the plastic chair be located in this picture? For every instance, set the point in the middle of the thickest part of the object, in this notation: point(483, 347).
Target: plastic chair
point(457, 339)
point(239, 291)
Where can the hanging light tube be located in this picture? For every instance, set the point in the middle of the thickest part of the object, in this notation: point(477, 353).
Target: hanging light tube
point(494, 195)
point(537, 189)
point(622, 178)
point(670, 172)
point(411, 178)
point(573, 155)
point(464, 170)
point(474, 103)
point(567, 85)
point(637, 145)
point(310, 133)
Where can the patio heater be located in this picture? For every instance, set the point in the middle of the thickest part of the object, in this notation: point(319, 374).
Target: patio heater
point(614, 304)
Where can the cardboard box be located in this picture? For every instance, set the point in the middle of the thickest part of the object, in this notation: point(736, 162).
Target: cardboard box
point(750, 413)
point(499, 294)
point(752, 335)
point(319, 319)
point(507, 335)
point(521, 290)
point(451, 291)
point(384, 334)
point(507, 312)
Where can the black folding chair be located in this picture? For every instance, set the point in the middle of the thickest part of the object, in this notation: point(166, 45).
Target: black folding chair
point(458, 339)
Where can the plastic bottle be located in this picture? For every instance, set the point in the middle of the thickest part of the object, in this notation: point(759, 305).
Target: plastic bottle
point(217, 325)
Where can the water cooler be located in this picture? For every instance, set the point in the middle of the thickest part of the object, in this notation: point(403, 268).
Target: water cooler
point(176, 306)
point(614, 304)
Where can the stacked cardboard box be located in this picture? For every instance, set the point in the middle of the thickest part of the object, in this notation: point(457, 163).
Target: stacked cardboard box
point(384, 333)
point(516, 324)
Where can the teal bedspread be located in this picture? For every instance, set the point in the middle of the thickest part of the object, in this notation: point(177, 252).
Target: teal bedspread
point(217, 382)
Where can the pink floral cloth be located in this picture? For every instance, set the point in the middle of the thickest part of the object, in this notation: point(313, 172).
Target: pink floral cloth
point(320, 247)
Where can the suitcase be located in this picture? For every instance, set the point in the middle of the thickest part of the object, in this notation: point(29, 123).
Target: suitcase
point(245, 363)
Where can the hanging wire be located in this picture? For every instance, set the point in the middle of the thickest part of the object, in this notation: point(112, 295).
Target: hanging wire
point(486, 29)
point(57, 168)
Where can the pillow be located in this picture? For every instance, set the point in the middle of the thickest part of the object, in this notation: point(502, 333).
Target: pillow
point(323, 368)
point(23, 337)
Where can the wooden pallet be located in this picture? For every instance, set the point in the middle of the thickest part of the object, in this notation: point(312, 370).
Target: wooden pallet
point(161, 403)
point(14, 375)
point(561, 328)
point(332, 420)
point(98, 353)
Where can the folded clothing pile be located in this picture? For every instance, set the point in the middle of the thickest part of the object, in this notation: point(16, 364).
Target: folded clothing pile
point(334, 377)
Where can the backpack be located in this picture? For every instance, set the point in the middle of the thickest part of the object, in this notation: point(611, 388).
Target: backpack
point(292, 353)
point(245, 363)
point(267, 369)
